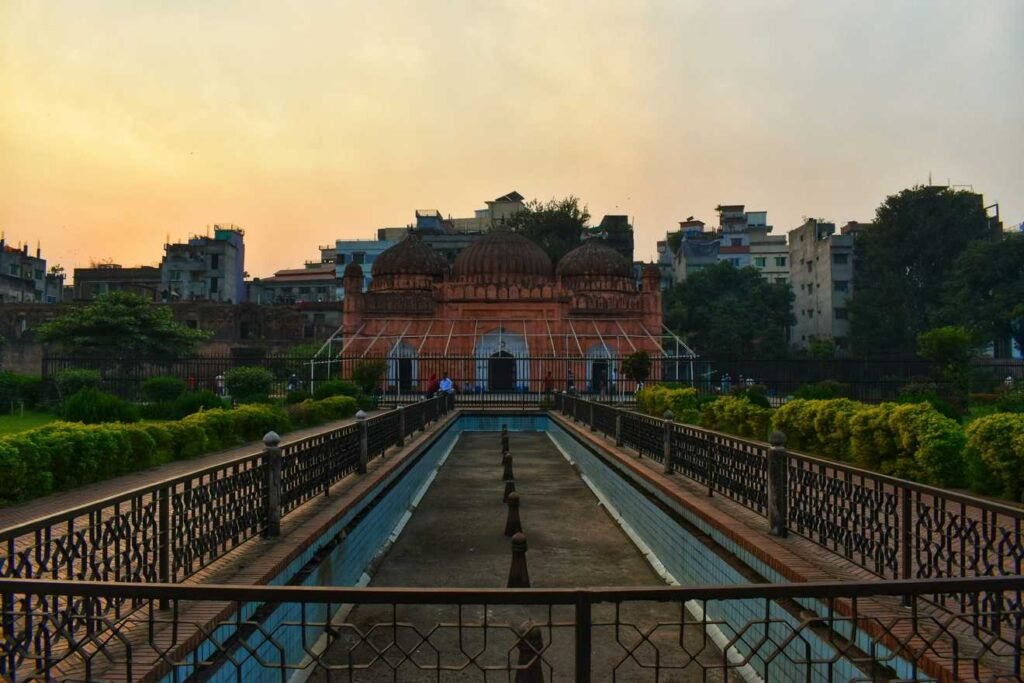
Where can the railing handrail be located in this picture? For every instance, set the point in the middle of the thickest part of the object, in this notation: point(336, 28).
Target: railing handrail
point(440, 595)
point(70, 513)
point(896, 482)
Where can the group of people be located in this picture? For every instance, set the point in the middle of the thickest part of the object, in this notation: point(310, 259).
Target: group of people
point(440, 386)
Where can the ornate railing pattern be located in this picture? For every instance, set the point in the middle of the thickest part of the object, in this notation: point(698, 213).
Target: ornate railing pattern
point(833, 631)
point(310, 466)
point(604, 418)
point(892, 527)
point(643, 434)
point(167, 531)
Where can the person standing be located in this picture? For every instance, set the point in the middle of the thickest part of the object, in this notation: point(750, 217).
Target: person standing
point(446, 385)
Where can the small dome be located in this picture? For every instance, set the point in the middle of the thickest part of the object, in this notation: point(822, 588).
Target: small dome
point(353, 270)
point(595, 258)
point(409, 257)
point(502, 257)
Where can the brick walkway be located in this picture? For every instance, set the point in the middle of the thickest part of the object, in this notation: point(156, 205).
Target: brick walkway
point(65, 500)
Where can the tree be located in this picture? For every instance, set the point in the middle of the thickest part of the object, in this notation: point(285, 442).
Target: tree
point(556, 225)
point(121, 326)
point(985, 292)
point(822, 348)
point(637, 365)
point(903, 261)
point(729, 313)
point(951, 349)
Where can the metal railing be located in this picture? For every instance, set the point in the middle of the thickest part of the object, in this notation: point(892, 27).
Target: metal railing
point(166, 531)
point(894, 528)
point(58, 630)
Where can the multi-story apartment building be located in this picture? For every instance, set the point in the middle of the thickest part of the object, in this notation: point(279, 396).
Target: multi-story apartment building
point(362, 252)
point(821, 275)
point(111, 277)
point(741, 239)
point(24, 279)
point(316, 282)
point(205, 268)
point(770, 255)
point(495, 213)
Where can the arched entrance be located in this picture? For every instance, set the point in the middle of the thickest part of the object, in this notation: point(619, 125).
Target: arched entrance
point(501, 371)
point(402, 369)
point(599, 375)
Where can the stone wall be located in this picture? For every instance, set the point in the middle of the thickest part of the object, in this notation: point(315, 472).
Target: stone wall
point(273, 328)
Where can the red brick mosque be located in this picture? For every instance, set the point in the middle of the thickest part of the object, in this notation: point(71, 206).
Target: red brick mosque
point(502, 318)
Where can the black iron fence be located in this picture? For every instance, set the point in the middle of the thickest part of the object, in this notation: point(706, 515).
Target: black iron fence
point(166, 531)
point(61, 630)
point(894, 528)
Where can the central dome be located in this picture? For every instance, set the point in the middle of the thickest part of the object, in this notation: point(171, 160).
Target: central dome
point(594, 258)
point(502, 257)
point(409, 257)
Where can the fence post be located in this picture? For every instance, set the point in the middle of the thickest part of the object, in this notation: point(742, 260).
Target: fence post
point(164, 570)
point(364, 444)
point(778, 486)
point(906, 542)
point(582, 633)
point(593, 425)
point(618, 427)
point(401, 426)
point(667, 442)
point(272, 459)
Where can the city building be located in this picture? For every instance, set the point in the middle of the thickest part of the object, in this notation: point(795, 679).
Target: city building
point(205, 268)
point(741, 239)
point(821, 275)
point(102, 278)
point(770, 255)
point(316, 282)
point(431, 221)
point(360, 252)
point(503, 317)
point(24, 279)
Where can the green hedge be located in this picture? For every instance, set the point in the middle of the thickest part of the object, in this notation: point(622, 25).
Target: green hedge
point(65, 455)
point(736, 415)
point(657, 399)
point(819, 426)
point(995, 455)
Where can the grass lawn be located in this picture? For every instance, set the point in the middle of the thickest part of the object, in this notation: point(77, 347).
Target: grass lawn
point(10, 424)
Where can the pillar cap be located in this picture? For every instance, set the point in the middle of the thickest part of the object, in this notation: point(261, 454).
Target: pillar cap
point(777, 439)
point(360, 415)
point(519, 542)
point(271, 439)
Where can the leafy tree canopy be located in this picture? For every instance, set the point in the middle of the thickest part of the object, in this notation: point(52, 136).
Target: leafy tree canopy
point(727, 312)
point(121, 326)
point(556, 225)
point(985, 291)
point(903, 262)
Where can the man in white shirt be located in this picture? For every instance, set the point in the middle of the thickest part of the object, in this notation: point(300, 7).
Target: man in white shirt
point(446, 384)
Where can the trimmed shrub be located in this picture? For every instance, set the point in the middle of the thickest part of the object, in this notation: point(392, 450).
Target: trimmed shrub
point(928, 392)
point(70, 382)
point(736, 415)
point(821, 427)
point(909, 440)
point(826, 389)
point(294, 397)
point(335, 387)
point(194, 401)
point(25, 388)
point(252, 422)
point(657, 399)
point(1011, 402)
point(162, 389)
point(338, 407)
point(995, 455)
point(249, 382)
point(755, 393)
point(93, 406)
point(366, 403)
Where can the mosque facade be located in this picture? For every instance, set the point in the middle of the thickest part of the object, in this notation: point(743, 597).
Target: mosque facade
point(502, 317)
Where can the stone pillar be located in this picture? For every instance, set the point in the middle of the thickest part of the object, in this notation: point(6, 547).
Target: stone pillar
point(506, 467)
point(272, 460)
point(778, 475)
point(504, 438)
point(510, 487)
point(618, 427)
point(364, 443)
point(518, 574)
point(530, 667)
point(667, 446)
point(512, 523)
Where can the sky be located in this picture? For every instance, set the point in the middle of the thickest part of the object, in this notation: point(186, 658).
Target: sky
point(127, 122)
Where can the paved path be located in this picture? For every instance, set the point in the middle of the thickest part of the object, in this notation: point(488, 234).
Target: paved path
point(65, 500)
point(455, 539)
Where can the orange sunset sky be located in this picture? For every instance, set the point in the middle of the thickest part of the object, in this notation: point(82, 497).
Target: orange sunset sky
point(123, 122)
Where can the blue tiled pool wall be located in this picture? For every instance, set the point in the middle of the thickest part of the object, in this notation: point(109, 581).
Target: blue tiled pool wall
point(342, 566)
point(689, 563)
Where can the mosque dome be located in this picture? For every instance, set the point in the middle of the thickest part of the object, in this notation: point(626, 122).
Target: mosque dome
point(594, 258)
point(409, 257)
point(353, 270)
point(502, 257)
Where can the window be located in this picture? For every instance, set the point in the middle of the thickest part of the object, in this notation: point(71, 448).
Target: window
point(840, 259)
point(810, 312)
point(735, 241)
point(303, 290)
point(39, 274)
point(13, 269)
point(780, 261)
point(759, 261)
point(214, 282)
point(358, 257)
point(214, 261)
point(810, 265)
point(780, 280)
point(840, 313)
point(175, 276)
point(840, 285)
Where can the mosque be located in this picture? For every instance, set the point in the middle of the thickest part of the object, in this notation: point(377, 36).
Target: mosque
point(503, 317)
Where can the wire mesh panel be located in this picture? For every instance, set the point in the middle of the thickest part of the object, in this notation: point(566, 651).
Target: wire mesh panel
point(644, 434)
